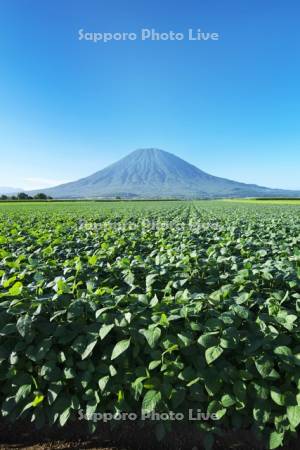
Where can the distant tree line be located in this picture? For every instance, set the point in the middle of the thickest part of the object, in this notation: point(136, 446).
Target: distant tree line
point(23, 196)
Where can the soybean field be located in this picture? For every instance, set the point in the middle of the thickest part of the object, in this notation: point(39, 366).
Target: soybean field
point(155, 306)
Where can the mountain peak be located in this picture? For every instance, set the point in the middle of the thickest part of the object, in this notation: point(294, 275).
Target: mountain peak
point(149, 152)
point(155, 173)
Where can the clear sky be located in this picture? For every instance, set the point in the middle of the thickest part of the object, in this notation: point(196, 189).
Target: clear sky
point(69, 107)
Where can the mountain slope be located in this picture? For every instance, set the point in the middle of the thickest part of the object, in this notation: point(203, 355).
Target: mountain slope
point(153, 173)
point(9, 190)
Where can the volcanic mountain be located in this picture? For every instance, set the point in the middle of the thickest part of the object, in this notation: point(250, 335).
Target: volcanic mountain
point(9, 190)
point(153, 173)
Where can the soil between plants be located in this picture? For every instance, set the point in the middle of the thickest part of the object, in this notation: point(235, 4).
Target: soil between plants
point(128, 436)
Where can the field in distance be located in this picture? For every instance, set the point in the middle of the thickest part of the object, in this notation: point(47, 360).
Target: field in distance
point(266, 201)
point(136, 205)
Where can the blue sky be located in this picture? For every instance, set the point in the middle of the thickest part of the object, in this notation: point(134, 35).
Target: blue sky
point(68, 107)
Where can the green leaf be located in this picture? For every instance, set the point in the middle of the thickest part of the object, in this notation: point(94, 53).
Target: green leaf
point(151, 399)
point(293, 413)
point(213, 353)
point(112, 371)
point(129, 279)
point(240, 390)
point(24, 325)
point(275, 440)
point(150, 280)
point(185, 339)
point(120, 348)
point(88, 350)
point(277, 396)
point(92, 260)
point(242, 312)
point(213, 383)
point(63, 418)
point(208, 339)
point(228, 400)
point(69, 373)
point(104, 330)
point(216, 407)
point(53, 391)
point(37, 400)
point(264, 366)
point(84, 345)
point(37, 353)
point(16, 289)
point(103, 382)
point(283, 350)
point(152, 336)
point(23, 392)
point(154, 364)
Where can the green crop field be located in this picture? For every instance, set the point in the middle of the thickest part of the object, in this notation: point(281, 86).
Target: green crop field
point(152, 306)
point(267, 201)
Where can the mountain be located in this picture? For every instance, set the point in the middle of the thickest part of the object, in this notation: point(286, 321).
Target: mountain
point(9, 190)
point(153, 173)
